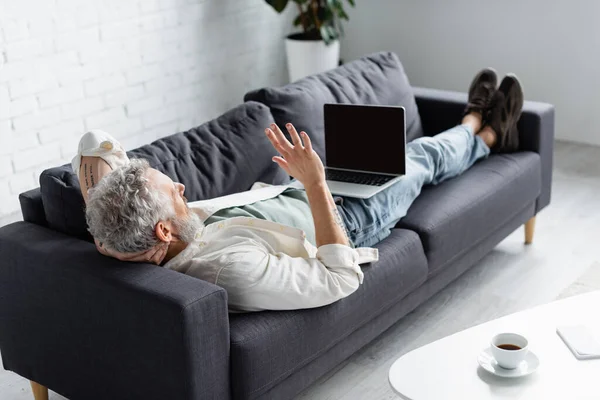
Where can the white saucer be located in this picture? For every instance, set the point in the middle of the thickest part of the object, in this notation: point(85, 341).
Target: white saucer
point(527, 366)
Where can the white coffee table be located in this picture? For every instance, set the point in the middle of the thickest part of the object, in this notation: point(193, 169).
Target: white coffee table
point(448, 368)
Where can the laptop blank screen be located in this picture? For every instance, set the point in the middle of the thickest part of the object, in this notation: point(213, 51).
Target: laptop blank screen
point(365, 138)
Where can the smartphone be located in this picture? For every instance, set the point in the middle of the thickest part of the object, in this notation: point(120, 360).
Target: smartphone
point(582, 343)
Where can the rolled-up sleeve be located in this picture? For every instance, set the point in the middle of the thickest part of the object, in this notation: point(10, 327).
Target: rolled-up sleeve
point(258, 280)
point(338, 256)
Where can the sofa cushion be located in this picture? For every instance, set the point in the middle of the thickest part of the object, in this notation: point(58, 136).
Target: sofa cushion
point(267, 347)
point(454, 216)
point(223, 156)
point(375, 79)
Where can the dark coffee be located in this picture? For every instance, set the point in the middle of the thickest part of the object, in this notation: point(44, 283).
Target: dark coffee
point(508, 347)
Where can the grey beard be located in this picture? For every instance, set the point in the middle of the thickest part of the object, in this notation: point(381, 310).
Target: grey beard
point(187, 228)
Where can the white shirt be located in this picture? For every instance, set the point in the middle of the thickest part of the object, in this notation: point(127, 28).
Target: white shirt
point(261, 264)
point(264, 265)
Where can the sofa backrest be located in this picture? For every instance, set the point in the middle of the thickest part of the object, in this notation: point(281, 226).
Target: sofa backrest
point(220, 157)
point(376, 79)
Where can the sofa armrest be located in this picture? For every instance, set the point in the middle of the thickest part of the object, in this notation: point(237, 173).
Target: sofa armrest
point(536, 133)
point(442, 109)
point(32, 207)
point(92, 327)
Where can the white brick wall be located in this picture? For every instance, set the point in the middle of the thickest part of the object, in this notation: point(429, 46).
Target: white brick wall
point(140, 69)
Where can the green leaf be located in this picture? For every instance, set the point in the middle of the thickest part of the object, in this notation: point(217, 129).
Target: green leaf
point(325, 14)
point(325, 34)
point(329, 33)
point(334, 5)
point(338, 7)
point(278, 5)
point(333, 32)
point(351, 3)
point(342, 14)
point(298, 20)
point(340, 28)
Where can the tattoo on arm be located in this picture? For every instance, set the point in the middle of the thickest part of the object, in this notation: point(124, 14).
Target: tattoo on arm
point(92, 177)
point(85, 174)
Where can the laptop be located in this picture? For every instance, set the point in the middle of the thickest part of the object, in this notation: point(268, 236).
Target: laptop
point(364, 148)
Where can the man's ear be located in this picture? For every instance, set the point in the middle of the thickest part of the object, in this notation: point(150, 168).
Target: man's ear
point(163, 231)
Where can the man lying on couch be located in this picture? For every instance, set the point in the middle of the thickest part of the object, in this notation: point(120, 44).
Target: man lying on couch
point(279, 247)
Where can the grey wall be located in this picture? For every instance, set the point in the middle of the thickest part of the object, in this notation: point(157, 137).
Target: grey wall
point(553, 46)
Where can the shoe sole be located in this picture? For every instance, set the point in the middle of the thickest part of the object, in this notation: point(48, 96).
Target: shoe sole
point(476, 78)
point(513, 144)
point(516, 80)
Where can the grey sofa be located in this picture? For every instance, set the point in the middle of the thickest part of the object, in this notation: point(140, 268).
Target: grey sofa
point(91, 327)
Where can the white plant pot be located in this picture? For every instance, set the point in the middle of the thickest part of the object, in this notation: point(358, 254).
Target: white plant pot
point(308, 57)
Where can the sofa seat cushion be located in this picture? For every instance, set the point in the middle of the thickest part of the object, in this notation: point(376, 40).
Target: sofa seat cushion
point(267, 347)
point(223, 156)
point(454, 216)
point(376, 79)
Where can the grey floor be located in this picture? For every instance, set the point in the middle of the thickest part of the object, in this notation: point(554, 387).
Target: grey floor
point(511, 278)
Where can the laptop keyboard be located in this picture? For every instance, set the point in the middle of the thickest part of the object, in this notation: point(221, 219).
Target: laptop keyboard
point(362, 178)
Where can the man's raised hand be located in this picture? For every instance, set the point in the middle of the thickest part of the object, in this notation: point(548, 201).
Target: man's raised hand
point(298, 158)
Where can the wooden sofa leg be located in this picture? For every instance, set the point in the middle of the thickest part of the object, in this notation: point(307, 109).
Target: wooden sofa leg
point(39, 392)
point(529, 230)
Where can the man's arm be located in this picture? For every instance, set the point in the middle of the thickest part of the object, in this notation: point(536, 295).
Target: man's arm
point(329, 226)
point(258, 280)
point(303, 163)
point(91, 170)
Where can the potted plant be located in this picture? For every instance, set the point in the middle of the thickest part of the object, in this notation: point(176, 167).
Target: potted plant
point(317, 47)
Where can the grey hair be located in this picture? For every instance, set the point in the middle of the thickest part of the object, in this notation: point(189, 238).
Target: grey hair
point(123, 209)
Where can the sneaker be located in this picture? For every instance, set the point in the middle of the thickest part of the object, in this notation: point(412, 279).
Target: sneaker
point(481, 91)
point(505, 112)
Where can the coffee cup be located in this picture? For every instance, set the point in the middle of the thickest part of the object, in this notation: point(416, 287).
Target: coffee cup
point(509, 349)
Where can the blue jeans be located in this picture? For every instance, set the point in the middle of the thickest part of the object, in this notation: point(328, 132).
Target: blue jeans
point(429, 160)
